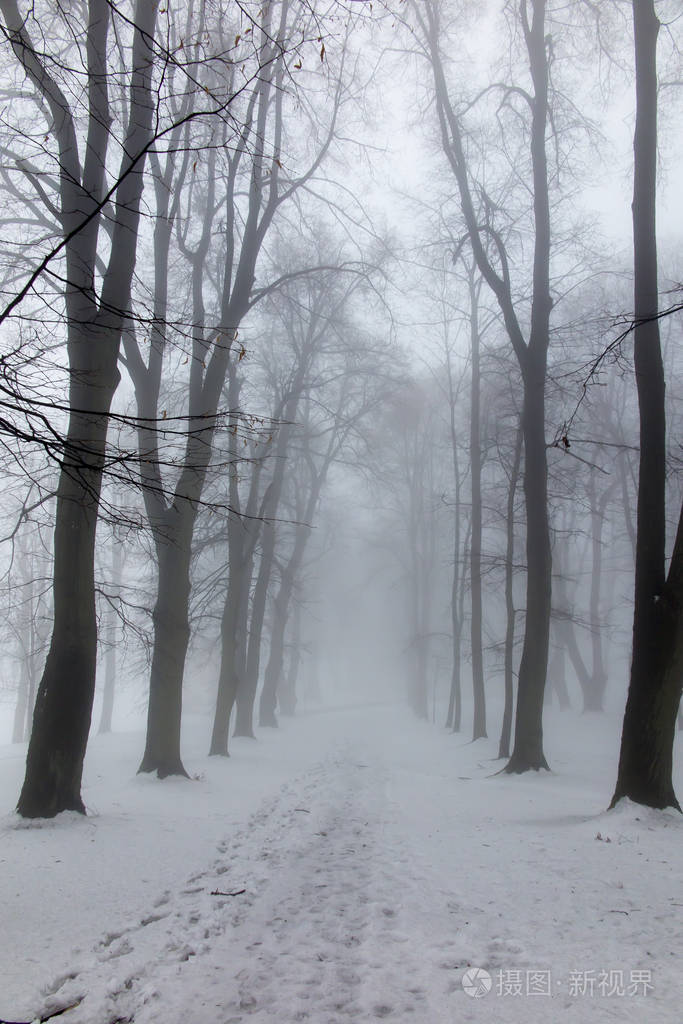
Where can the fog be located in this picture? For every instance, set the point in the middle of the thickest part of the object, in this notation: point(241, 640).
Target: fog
point(342, 544)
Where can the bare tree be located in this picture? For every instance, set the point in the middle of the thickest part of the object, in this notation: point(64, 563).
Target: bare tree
point(223, 217)
point(531, 347)
point(96, 299)
point(646, 756)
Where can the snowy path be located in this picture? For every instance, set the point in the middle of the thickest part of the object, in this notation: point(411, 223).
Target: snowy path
point(336, 923)
point(377, 875)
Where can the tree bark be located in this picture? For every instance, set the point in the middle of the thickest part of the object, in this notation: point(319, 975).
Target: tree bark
point(528, 745)
point(646, 755)
point(478, 690)
point(281, 605)
point(63, 709)
point(531, 355)
point(171, 639)
point(232, 665)
point(454, 716)
point(509, 648)
point(242, 535)
point(246, 694)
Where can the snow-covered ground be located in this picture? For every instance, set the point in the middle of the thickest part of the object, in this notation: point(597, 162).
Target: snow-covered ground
point(354, 865)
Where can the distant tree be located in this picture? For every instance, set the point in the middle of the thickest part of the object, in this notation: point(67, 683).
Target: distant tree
point(510, 610)
point(224, 215)
point(28, 619)
point(530, 344)
point(474, 283)
point(109, 634)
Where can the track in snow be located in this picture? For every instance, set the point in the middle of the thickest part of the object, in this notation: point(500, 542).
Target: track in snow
point(336, 924)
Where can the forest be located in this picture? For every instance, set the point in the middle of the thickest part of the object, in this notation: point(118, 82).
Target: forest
point(340, 416)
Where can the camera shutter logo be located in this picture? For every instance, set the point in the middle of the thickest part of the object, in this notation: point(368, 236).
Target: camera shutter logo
point(476, 982)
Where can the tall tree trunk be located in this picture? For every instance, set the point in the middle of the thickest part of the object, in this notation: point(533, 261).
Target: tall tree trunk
point(646, 756)
point(528, 746)
point(594, 699)
point(110, 639)
point(478, 690)
point(509, 648)
point(531, 354)
point(63, 709)
point(232, 669)
point(171, 639)
point(458, 618)
point(246, 694)
point(454, 716)
point(275, 665)
point(527, 752)
point(242, 536)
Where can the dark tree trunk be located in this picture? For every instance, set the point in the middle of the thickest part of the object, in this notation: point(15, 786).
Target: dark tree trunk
point(646, 757)
point(171, 639)
point(246, 694)
point(242, 536)
point(454, 716)
point(528, 746)
point(509, 649)
point(63, 709)
point(478, 691)
point(229, 676)
point(527, 752)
